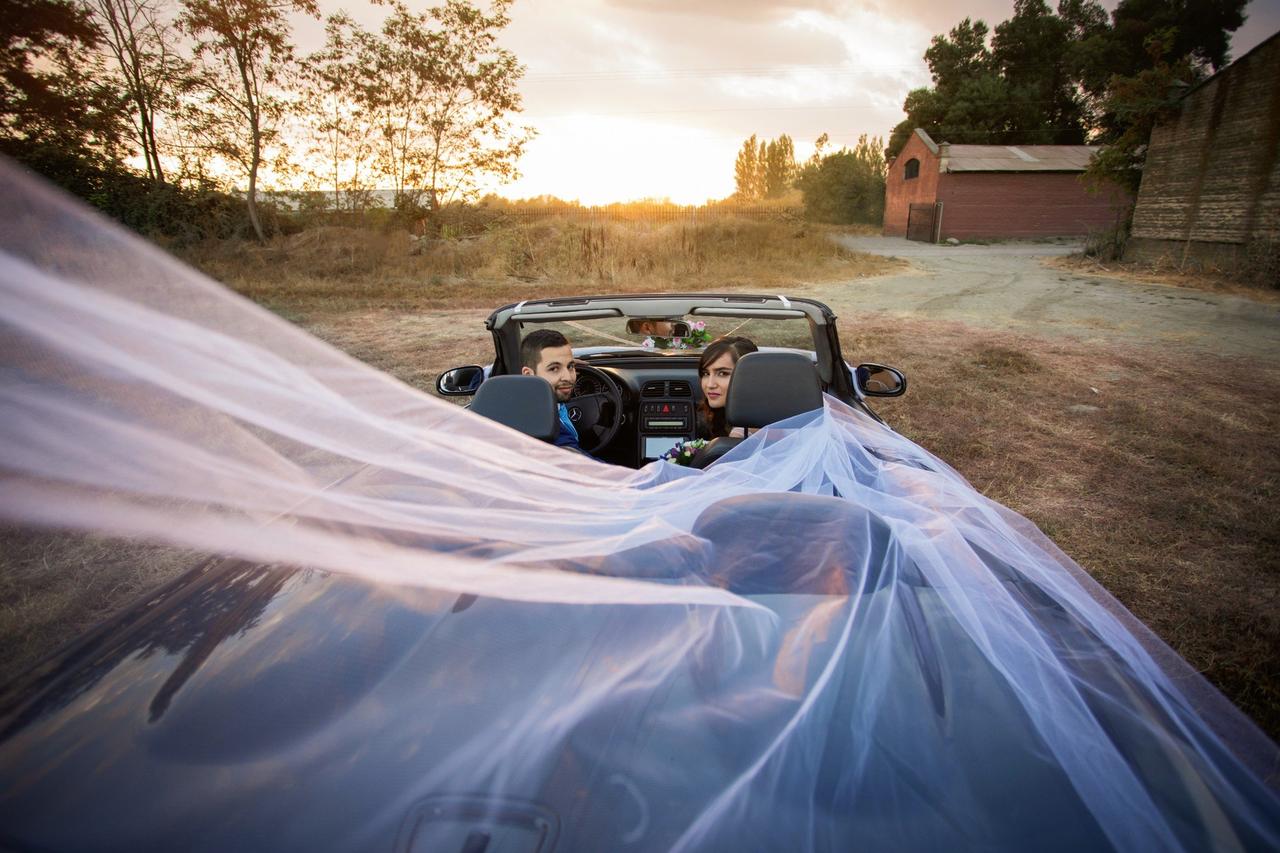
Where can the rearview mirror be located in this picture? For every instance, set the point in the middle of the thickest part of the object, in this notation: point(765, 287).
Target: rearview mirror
point(659, 327)
point(460, 381)
point(877, 380)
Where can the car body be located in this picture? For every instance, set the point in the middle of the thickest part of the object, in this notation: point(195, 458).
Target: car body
point(784, 696)
point(635, 401)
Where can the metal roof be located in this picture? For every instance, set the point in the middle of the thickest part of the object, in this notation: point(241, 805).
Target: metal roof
point(1016, 158)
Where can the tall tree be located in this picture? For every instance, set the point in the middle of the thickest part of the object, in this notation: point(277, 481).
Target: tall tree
point(443, 93)
point(142, 42)
point(245, 55)
point(1031, 51)
point(1066, 77)
point(779, 166)
point(764, 168)
point(55, 105)
point(340, 130)
point(746, 170)
point(846, 186)
point(1136, 71)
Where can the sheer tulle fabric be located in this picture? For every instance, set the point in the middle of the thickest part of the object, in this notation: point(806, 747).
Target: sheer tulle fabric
point(846, 644)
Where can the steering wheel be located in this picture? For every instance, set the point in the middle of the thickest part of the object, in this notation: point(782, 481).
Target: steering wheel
point(595, 415)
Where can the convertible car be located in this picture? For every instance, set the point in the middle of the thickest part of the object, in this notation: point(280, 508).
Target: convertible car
point(637, 391)
point(409, 628)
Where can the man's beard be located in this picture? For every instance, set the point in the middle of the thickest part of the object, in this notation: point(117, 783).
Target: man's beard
point(564, 392)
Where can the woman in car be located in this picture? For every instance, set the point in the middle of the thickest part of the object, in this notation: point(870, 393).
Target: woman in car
point(715, 370)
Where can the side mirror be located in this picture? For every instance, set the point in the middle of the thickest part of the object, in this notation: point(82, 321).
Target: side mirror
point(877, 380)
point(460, 381)
point(658, 327)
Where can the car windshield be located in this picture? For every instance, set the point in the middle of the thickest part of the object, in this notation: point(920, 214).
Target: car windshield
point(792, 333)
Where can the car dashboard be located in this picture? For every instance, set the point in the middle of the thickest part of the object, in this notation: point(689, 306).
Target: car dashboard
point(659, 396)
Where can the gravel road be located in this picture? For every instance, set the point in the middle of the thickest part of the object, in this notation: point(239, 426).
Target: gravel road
point(1007, 286)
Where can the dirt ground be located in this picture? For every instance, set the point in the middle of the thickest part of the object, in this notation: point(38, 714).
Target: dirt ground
point(1137, 424)
point(1011, 287)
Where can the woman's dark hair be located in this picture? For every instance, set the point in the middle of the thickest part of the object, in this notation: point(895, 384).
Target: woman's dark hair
point(711, 422)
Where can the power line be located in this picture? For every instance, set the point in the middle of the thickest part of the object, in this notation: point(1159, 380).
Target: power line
point(695, 73)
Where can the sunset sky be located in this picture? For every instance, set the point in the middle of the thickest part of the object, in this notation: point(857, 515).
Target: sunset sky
point(653, 98)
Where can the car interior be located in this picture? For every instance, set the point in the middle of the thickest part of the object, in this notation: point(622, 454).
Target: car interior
point(642, 416)
point(638, 388)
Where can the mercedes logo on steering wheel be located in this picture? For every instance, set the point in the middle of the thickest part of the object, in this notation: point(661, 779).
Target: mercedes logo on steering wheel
point(575, 414)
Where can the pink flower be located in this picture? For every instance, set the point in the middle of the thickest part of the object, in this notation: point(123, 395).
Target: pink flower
point(647, 343)
point(699, 325)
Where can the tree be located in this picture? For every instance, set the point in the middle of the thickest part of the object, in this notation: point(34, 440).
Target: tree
point(1072, 76)
point(819, 150)
point(55, 105)
point(846, 186)
point(340, 130)
point(746, 171)
point(141, 43)
point(1136, 104)
point(245, 55)
point(764, 169)
point(1019, 89)
point(1031, 51)
point(779, 166)
point(441, 92)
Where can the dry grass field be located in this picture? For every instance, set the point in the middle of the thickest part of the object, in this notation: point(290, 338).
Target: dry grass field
point(1157, 472)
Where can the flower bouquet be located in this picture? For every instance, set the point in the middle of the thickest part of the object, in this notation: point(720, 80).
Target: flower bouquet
point(684, 451)
point(698, 337)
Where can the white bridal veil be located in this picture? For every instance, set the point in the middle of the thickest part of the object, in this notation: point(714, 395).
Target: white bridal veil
point(826, 641)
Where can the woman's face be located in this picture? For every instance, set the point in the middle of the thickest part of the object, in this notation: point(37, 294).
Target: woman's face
point(715, 381)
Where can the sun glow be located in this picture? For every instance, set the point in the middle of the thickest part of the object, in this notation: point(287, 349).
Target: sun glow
point(602, 159)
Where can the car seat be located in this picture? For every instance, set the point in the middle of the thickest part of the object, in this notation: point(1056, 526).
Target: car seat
point(767, 387)
point(524, 403)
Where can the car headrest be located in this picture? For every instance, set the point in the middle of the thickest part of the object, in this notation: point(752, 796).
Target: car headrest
point(524, 403)
point(768, 387)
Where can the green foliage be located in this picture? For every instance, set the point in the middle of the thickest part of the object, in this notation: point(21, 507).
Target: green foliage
point(339, 131)
point(764, 169)
point(1137, 104)
point(1019, 89)
point(1066, 77)
point(148, 69)
point(183, 214)
point(779, 166)
point(746, 172)
point(244, 52)
point(847, 186)
point(52, 95)
point(439, 93)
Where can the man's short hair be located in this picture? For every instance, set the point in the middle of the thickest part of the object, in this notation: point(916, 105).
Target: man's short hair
point(535, 342)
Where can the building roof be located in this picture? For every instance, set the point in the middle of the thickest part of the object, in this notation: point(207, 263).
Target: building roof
point(1011, 158)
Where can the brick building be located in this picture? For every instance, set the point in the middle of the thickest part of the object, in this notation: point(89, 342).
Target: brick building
point(935, 191)
point(1211, 185)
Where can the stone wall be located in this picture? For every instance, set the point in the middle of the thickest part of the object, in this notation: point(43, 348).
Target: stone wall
point(1211, 184)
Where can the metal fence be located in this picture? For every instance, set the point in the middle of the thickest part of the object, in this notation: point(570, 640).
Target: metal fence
point(642, 212)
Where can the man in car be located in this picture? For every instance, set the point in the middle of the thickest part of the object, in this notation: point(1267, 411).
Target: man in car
point(547, 353)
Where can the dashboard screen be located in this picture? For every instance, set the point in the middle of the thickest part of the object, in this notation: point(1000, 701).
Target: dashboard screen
point(656, 445)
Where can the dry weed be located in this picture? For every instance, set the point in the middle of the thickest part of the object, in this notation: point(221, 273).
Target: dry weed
point(1169, 274)
point(1156, 471)
point(334, 270)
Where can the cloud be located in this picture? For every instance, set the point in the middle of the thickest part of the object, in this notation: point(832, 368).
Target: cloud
point(736, 10)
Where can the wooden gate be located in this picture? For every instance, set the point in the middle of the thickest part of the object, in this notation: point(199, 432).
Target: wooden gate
point(922, 221)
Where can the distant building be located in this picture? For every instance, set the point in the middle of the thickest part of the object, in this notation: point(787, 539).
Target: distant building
point(1210, 190)
point(935, 191)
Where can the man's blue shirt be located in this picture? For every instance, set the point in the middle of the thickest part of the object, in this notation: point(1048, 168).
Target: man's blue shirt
point(568, 436)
